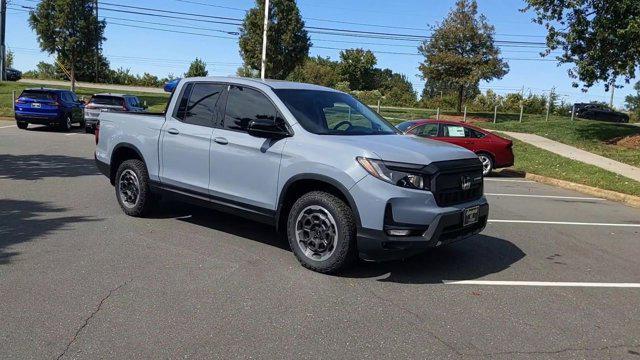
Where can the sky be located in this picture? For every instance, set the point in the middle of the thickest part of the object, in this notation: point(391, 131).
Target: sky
point(169, 51)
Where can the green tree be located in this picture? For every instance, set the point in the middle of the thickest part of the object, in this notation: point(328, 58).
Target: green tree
point(8, 59)
point(197, 68)
point(633, 101)
point(461, 51)
point(68, 28)
point(287, 42)
point(357, 66)
point(601, 38)
point(317, 70)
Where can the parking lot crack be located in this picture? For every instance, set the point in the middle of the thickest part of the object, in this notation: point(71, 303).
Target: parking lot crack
point(86, 321)
point(560, 351)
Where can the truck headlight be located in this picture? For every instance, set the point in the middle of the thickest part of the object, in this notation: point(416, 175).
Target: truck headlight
point(395, 176)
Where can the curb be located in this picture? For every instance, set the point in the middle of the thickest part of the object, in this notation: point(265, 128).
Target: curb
point(630, 200)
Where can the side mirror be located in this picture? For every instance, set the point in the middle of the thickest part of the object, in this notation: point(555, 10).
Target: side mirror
point(268, 128)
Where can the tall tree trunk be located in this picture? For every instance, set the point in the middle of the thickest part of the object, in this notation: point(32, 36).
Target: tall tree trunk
point(460, 97)
point(73, 77)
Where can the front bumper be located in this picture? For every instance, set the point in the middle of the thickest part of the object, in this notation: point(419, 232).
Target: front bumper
point(382, 206)
point(376, 245)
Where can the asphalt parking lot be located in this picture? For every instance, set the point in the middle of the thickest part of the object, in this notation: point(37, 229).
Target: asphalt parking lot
point(556, 274)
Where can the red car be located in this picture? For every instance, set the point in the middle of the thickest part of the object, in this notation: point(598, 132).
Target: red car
point(494, 151)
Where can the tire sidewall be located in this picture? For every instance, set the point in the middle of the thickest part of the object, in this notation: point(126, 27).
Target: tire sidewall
point(142, 206)
point(490, 163)
point(344, 226)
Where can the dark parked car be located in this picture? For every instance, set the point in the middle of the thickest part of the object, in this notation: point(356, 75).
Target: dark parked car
point(52, 107)
point(599, 112)
point(13, 74)
point(494, 151)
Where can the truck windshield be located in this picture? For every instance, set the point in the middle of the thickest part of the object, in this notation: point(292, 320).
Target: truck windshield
point(333, 113)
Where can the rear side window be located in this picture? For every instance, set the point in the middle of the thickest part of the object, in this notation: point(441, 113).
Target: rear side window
point(203, 103)
point(245, 104)
point(181, 109)
point(107, 100)
point(38, 95)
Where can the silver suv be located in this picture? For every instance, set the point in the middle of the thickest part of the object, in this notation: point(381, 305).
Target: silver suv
point(314, 162)
point(109, 102)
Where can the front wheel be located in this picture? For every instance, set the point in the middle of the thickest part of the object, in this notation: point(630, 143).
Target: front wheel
point(22, 125)
point(487, 163)
point(132, 188)
point(322, 232)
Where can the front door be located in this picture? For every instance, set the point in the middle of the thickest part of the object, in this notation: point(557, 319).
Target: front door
point(245, 168)
point(186, 138)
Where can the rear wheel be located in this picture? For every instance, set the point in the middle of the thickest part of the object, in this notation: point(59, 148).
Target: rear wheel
point(487, 163)
point(22, 125)
point(65, 124)
point(322, 233)
point(132, 188)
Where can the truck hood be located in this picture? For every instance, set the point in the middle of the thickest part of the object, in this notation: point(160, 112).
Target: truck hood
point(407, 148)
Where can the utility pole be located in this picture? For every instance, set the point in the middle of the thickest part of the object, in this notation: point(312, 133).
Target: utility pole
point(98, 42)
point(3, 25)
point(613, 88)
point(264, 40)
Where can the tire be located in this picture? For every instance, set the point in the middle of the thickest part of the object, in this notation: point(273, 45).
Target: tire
point(324, 216)
point(65, 124)
point(132, 188)
point(487, 163)
point(88, 130)
point(82, 123)
point(22, 125)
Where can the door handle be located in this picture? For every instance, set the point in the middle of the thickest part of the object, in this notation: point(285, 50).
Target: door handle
point(173, 131)
point(221, 140)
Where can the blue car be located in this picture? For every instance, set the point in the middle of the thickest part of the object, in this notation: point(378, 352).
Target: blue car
point(51, 107)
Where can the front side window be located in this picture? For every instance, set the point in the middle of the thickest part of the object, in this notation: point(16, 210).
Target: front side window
point(73, 96)
point(426, 130)
point(202, 105)
point(246, 104)
point(333, 113)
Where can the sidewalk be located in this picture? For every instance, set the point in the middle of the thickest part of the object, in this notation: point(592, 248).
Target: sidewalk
point(573, 153)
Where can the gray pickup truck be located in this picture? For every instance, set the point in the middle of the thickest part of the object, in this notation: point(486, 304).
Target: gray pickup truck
point(314, 162)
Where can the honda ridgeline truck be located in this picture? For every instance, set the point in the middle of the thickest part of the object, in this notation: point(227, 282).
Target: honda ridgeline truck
point(314, 162)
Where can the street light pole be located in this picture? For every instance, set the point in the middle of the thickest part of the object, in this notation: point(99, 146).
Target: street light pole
point(264, 40)
point(98, 42)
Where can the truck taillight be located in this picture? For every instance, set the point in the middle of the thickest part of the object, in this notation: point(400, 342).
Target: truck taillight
point(97, 132)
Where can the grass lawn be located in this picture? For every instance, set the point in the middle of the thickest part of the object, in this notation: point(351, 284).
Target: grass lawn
point(584, 134)
point(156, 102)
point(541, 162)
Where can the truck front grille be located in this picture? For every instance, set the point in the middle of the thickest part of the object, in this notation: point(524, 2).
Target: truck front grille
point(448, 184)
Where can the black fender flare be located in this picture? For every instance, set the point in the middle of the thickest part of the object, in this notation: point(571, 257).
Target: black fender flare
point(317, 177)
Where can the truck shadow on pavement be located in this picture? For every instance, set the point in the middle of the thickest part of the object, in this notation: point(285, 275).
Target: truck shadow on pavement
point(40, 166)
point(469, 259)
point(22, 221)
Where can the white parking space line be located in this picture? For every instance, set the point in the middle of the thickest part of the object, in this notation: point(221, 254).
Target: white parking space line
point(508, 180)
point(547, 196)
point(561, 223)
point(69, 134)
point(543, 283)
point(8, 126)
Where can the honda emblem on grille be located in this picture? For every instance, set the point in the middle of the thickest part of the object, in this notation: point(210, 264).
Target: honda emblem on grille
point(465, 182)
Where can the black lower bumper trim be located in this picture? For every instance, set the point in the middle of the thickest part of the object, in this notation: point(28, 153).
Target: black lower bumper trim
point(104, 168)
point(376, 245)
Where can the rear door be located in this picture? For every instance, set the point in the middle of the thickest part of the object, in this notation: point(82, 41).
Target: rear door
point(77, 108)
point(245, 168)
point(186, 137)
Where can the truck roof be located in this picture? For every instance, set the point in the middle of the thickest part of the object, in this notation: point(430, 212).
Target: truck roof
point(273, 84)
